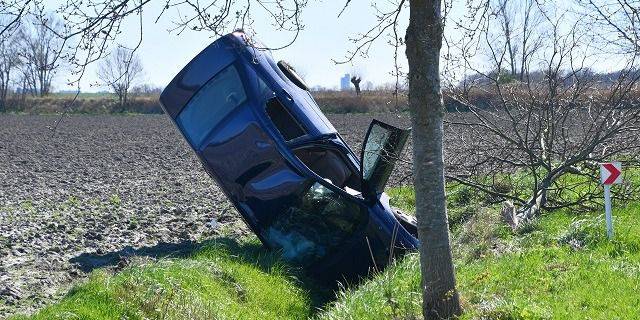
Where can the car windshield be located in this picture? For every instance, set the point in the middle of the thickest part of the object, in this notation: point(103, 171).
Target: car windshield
point(217, 98)
point(308, 227)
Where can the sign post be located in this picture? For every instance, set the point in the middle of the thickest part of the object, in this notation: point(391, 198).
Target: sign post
point(610, 173)
point(607, 210)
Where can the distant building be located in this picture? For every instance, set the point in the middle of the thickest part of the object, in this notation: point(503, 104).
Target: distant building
point(345, 82)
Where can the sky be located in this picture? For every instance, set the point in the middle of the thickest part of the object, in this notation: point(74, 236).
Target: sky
point(325, 38)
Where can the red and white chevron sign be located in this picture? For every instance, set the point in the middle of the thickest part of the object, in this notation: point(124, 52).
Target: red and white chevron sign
point(610, 173)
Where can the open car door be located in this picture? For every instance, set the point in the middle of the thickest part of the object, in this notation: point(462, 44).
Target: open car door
point(382, 146)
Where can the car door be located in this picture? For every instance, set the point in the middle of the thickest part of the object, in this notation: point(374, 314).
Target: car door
point(382, 147)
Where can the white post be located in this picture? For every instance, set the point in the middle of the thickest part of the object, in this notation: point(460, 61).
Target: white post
point(607, 210)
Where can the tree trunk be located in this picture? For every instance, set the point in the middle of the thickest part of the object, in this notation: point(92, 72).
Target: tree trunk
point(424, 40)
point(4, 88)
point(124, 101)
point(23, 95)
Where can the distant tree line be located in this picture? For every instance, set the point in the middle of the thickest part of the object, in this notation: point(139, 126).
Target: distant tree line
point(30, 57)
point(33, 54)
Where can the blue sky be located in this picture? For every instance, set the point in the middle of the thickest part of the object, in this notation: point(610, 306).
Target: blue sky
point(324, 38)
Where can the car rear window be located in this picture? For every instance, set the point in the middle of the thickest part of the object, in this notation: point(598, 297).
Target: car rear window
point(214, 101)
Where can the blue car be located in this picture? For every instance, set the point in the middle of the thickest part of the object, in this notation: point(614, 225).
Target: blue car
point(259, 133)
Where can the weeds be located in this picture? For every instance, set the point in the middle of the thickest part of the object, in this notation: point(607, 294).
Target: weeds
point(72, 202)
point(83, 105)
point(581, 233)
point(115, 200)
point(27, 205)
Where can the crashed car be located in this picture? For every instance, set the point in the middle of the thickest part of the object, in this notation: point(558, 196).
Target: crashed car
point(259, 133)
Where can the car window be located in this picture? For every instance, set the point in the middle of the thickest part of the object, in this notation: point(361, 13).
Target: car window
point(382, 148)
point(329, 164)
point(288, 126)
point(315, 224)
point(215, 100)
point(373, 150)
point(263, 88)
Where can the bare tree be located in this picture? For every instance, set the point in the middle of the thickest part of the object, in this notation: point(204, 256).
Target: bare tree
point(530, 40)
point(356, 84)
point(93, 25)
point(505, 15)
point(545, 135)
point(423, 41)
point(514, 24)
point(8, 62)
point(146, 90)
point(120, 71)
point(40, 51)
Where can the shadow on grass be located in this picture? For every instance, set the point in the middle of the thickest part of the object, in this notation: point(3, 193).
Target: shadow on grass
point(87, 262)
point(253, 252)
point(248, 251)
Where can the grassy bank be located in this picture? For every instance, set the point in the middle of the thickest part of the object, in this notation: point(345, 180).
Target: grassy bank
point(222, 280)
point(561, 267)
point(564, 267)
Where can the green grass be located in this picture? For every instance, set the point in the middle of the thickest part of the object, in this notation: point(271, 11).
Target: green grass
point(462, 202)
point(83, 95)
point(403, 198)
point(393, 294)
point(220, 281)
point(565, 269)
